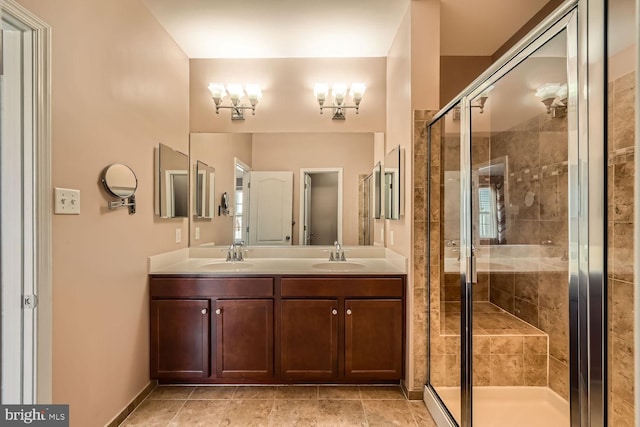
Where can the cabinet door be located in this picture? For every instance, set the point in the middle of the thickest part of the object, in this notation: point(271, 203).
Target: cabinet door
point(373, 339)
point(309, 339)
point(244, 342)
point(180, 338)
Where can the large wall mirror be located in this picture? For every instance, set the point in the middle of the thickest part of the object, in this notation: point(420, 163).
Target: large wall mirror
point(172, 183)
point(352, 154)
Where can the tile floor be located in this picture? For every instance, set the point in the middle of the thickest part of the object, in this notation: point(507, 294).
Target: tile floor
point(279, 406)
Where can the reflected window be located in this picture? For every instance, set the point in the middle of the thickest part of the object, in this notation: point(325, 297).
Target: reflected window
point(487, 213)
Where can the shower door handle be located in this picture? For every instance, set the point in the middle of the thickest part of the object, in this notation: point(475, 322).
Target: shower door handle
point(471, 268)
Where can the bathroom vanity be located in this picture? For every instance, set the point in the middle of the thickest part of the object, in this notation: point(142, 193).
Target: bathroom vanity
point(332, 323)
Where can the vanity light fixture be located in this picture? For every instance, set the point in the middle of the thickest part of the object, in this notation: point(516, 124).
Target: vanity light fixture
point(235, 91)
point(339, 92)
point(554, 97)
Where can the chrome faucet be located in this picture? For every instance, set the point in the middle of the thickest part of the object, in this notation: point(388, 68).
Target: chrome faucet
point(338, 255)
point(235, 252)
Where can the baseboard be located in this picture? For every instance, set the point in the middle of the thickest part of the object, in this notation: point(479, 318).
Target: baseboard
point(411, 394)
point(133, 404)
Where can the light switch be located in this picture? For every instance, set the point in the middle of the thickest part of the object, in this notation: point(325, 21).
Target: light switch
point(197, 233)
point(67, 201)
point(178, 235)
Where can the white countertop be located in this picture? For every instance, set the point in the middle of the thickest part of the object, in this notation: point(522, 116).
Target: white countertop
point(276, 261)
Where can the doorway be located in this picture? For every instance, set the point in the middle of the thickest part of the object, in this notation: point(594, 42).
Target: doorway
point(25, 208)
point(321, 206)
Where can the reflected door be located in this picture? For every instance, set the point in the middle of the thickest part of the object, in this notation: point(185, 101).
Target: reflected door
point(271, 208)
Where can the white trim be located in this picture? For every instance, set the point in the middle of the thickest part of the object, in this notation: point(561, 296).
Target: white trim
point(304, 171)
point(41, 42)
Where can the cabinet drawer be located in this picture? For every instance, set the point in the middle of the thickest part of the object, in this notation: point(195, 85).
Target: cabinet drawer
point(221, 287)
point(342, 286)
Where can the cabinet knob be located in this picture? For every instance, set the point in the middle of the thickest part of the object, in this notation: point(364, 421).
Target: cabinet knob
point(218, 311)
point(334, 311)
point(348, 311)
point(203, 311)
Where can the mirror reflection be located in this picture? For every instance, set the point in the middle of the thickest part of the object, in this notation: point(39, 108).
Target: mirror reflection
point(393, 203)
point(172, 174)
point(236, 157)
point(204, 190)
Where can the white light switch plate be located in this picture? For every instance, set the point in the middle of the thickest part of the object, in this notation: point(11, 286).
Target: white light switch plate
point(67, 201)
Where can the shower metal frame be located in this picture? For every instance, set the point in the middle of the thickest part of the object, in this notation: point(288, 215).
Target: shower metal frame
point(584, 22)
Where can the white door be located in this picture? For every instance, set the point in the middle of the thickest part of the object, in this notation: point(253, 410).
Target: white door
point(270, 208)
point(24, 211)
point(307, 210)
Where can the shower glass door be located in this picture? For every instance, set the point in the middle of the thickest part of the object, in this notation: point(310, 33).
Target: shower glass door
point(519, 237)
point(514, 280)
point(445, 265)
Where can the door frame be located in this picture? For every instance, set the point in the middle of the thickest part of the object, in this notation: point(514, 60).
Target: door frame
point(37, 385)
point(312, 171)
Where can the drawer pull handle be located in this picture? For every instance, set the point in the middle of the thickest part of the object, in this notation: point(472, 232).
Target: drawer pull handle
point(348, 311)
point(203, 311)
point(218, 311)
point(334, 311)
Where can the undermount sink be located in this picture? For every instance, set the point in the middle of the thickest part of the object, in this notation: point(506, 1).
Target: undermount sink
point(339, 266)
point(229, 266)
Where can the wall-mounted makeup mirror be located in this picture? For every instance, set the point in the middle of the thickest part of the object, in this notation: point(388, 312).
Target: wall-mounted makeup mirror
point(204, 180)
point(120, 181)
point(393, 178)
point(172, 183)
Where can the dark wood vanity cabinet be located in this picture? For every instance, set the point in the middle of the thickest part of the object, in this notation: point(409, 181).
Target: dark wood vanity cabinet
point(180, 338)
point(279, 329)
point(244, 338)
point(345, 329)
point(373, 338)
point(232, 339)
point(309, 339)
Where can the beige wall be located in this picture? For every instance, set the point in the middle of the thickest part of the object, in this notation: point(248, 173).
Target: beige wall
point(288, 104)
point(353, 152)
point(458, 72)
point(219, 150)
point(399, 123)
point(119, 86)
point(412, 84)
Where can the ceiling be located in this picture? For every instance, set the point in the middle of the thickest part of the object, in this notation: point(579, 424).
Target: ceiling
point(330, 28)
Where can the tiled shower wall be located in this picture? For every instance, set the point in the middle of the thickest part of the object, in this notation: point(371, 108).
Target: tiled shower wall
point(537, 152)
point(421, 220)
point(620, 249)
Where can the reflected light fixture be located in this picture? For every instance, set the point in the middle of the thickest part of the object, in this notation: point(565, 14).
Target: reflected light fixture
point(234, 92)
point(482, 99)
point(339, 92)
point(554, 97)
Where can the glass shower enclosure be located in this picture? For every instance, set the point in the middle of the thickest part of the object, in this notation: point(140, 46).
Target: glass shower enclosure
point(513, 315)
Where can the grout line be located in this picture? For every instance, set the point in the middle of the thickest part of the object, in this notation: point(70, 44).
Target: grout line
point(177, 412)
